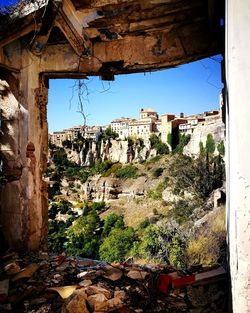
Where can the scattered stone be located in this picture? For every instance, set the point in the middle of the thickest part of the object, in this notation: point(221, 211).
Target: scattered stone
point(26, 272)
point(93, 290)
point(76, 303)
point(64, 291)
point(12, 268)
point(112, 273)
point(138, 275)
point(96, 299)
point(85, 283)
point(62, 284)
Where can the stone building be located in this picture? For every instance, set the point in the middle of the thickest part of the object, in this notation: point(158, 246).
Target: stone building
point(57, 137)
point(121, 126)
point(166, 126)
point(148, 113)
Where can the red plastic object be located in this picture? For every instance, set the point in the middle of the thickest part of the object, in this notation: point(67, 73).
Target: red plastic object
point(183, 281)
point(163, 283)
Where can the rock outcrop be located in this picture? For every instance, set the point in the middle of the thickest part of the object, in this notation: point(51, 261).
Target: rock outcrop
point(110, 188)
point(213, 126)
point(123, 151)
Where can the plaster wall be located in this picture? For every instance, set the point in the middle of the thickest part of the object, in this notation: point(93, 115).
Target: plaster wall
point(238, 180)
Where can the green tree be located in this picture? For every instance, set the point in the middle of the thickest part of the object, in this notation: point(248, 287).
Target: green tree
point(210, 144)
point(202, 149)
point(170, 139)
point(84, 239)
point(183, 141)
point(108, 134)
point(164, 243)
point(57, 238)
point(112, 221)
point(117, 244)
point(221, 148)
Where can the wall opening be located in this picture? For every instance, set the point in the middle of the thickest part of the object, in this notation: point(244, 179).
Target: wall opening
point(147, 151)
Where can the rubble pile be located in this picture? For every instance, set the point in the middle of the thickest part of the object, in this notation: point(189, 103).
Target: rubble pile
point(42, 284)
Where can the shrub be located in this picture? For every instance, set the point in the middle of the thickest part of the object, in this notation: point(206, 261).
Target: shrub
point(210, 144)
point(64, 206)
point(221, 148)
point(128, 171)
point(57, 236)
point(99, 206)
point(158, 145)
point(144, 224)
point(163, 243)
point(112, 170)
point(157, 172)
point(183, 141)
point(161, 148)
point(154, 159)
point(112, 221)
point(83, 237)
point(108, 134)
point(117, 244)
point(209, 248)
point(182, 210)
point(156, 193)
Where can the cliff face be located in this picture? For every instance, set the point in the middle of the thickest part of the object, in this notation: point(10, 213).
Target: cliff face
point(123, 151)
point(109, 188)
point(213, 126)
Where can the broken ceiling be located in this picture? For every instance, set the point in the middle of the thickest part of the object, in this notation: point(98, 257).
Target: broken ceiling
point(107, 37)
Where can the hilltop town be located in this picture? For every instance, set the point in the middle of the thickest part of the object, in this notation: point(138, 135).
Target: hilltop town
point(166, 127)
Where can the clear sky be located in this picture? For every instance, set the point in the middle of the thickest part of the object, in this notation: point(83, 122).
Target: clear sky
point(190, 88)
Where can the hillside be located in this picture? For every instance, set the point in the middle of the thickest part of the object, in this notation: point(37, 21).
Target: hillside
point(168, 208)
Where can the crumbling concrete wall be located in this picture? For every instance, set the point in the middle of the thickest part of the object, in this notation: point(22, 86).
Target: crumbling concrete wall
point(13, 188)
point(24, 142)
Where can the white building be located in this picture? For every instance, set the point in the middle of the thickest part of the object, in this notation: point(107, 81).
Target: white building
point(121, 126)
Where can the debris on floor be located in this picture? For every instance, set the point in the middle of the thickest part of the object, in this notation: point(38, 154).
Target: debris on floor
point(39, 283)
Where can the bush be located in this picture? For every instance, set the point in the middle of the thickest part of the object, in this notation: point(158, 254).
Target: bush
point(83, 236)
point(112, 170)
point(210, 144)
point(183, 141)
point(153, 160)
point(161, 148)
point(128, 171)
point(209, 248)
point(99, 206)
point(221, 148)
point(108, 134)
point(64, 206)
point(163, 243)
point(144, 224)
point(156, 194)
point(57, 236)
point(182, 210)
point(157, 172)
point(158, 145)
point(117, 244)
point(112, 221)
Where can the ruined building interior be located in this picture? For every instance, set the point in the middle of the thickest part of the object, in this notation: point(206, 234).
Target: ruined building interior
point(45, 39)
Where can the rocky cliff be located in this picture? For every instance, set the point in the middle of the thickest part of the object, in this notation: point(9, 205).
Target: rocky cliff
point(213, 126)
point(123, 151)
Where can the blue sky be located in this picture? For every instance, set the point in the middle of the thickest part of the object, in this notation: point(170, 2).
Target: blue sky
point(7, 2)
point(190, 88)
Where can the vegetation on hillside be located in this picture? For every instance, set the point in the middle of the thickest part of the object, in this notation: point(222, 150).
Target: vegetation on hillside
point(166, 237)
